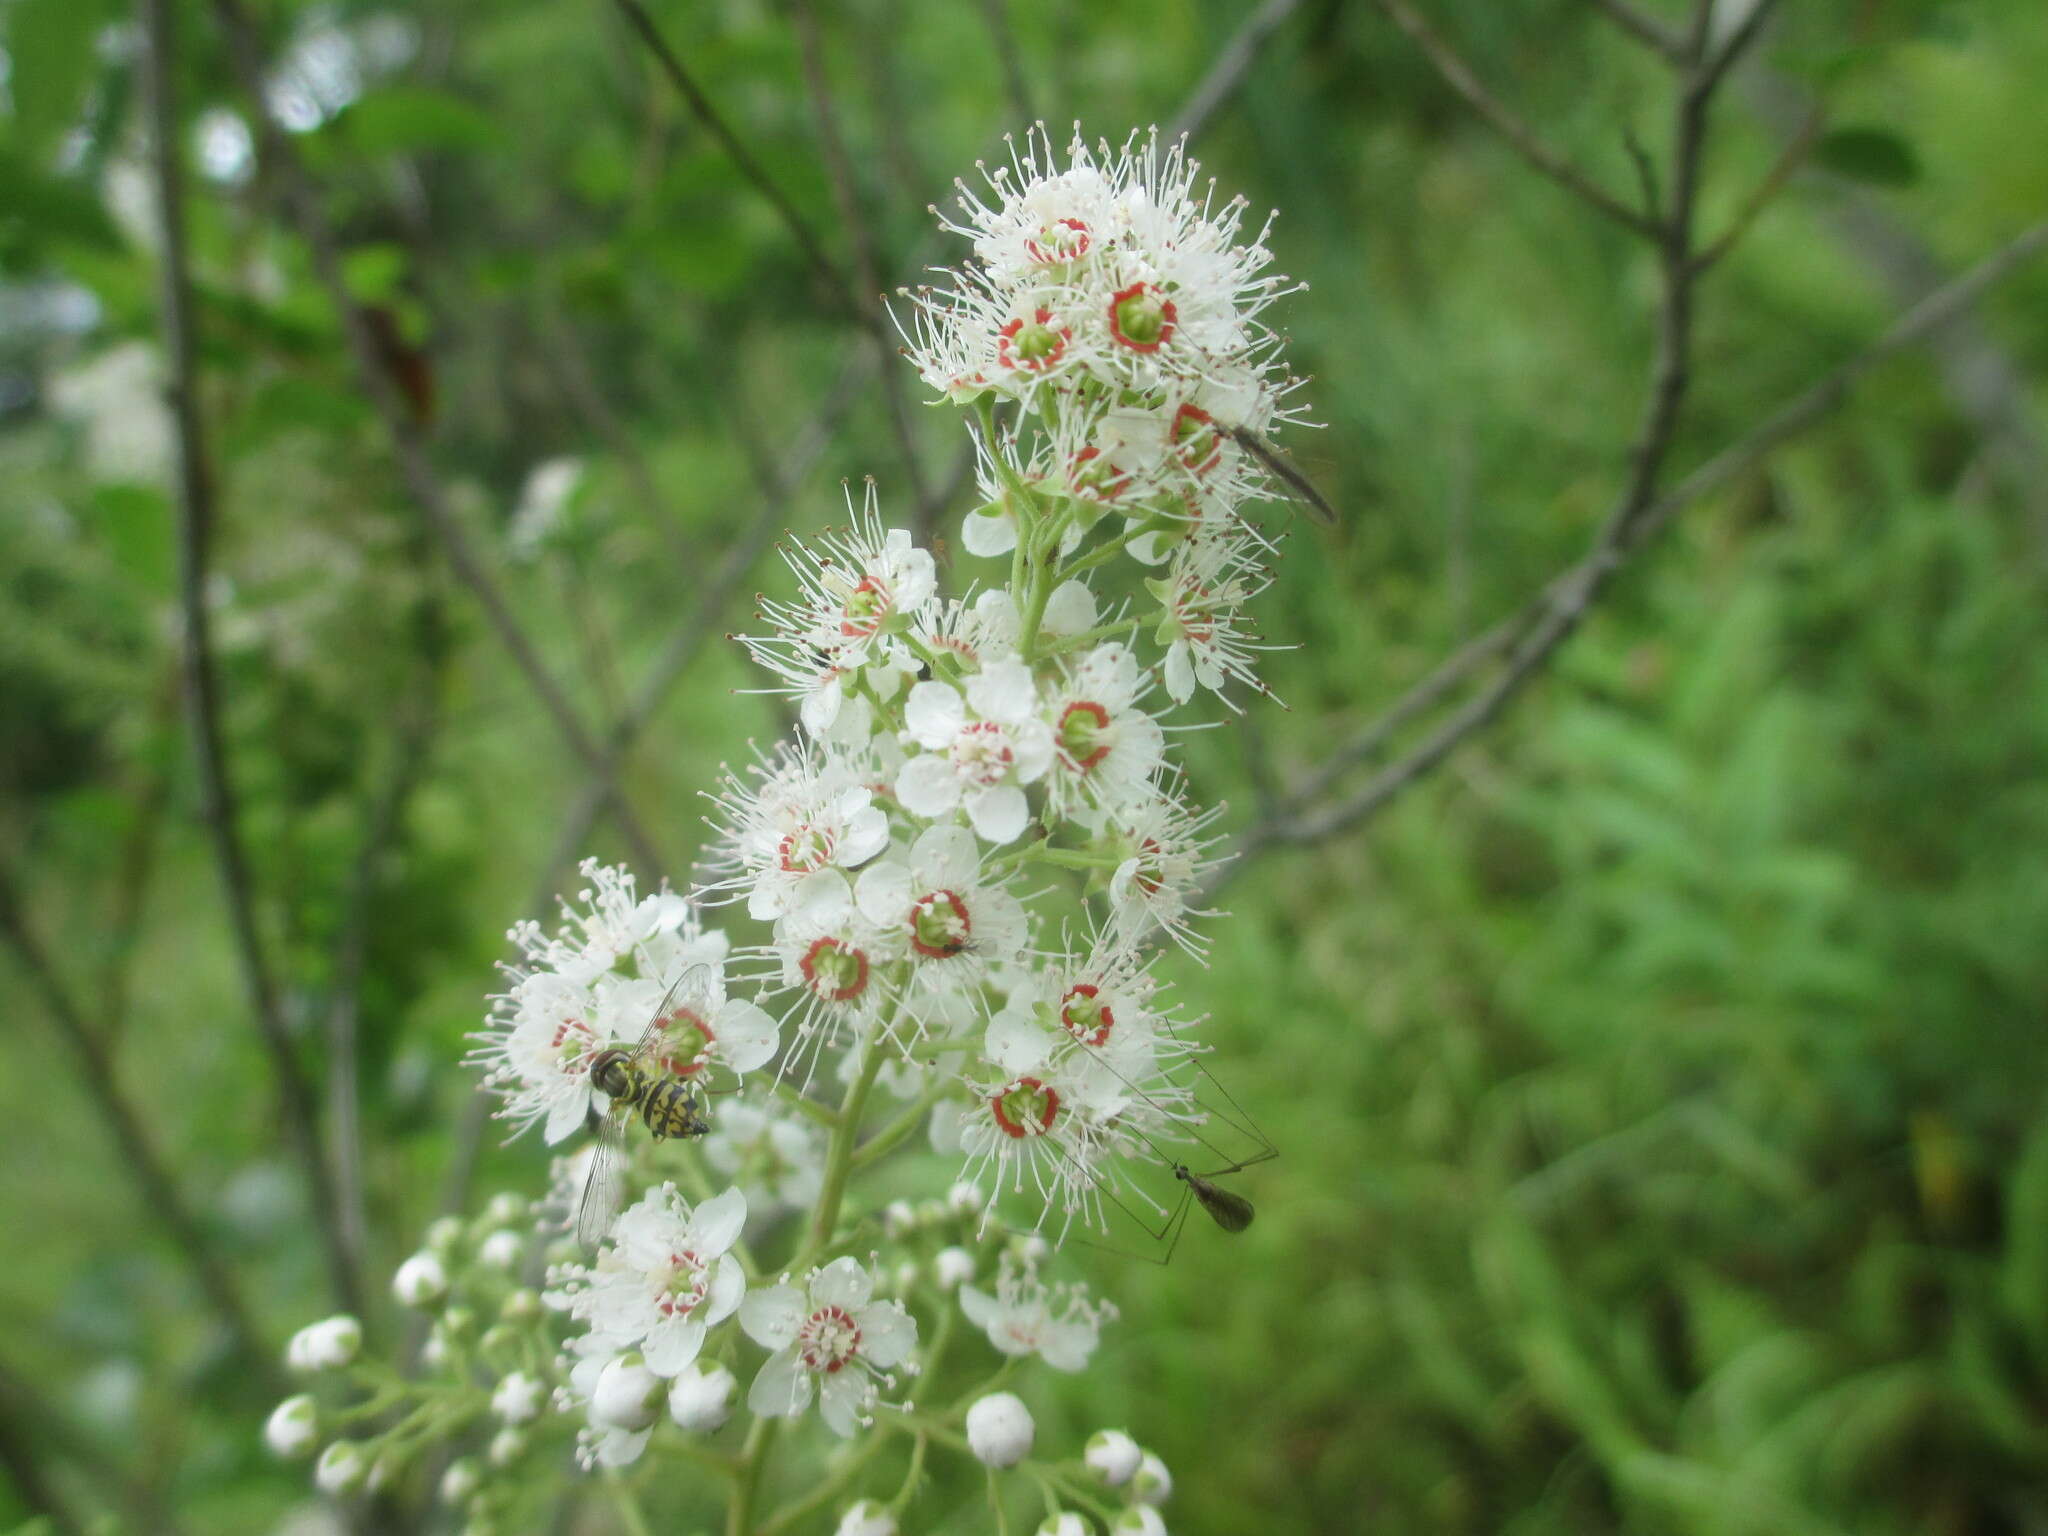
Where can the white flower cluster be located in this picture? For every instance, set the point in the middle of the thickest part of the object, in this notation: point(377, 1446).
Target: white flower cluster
point(961, 870)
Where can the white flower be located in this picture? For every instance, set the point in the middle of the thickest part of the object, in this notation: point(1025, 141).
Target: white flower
point(701, 1027)
point(981, 746)
point(1040, 1123)
point(1105, 747)
point(501, 1250)
point(870, 1517)
point(341, 1468)
point(701, 1399)
point(625, 1394)
point(831, 957)
point(1138, 1520)
point(506, 1446)
point(1203, 595)
point(936, 906)
point(800, 814)
point(293, 1428)
point(460, 1481)
point(421, 1281)
point(1065, 1523)
point(1167, 858)
point(517, 1398)
point(828, 1335)
point(1152, 1483)
point(1112, 1456)
point(324, 1346)
point(1059, 1324)
point(859, 590)
point(952, 1266)
point(777, 1161)
point(664, 1278)
point(999, 1430)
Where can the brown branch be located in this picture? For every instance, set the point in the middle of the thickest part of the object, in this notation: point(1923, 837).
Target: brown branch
point(1228, 72)
point(1789, 159)
point(156, 1184)
point(1509, 125)
point(1548, 617)
point(742, 158)
point(196, 510)
point(401, 428)
point(995, 14)
point(1645, 29)
point(846, 195)
point(28, 1471)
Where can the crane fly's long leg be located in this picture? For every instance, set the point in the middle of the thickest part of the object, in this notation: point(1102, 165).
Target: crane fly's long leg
point(1304, 488)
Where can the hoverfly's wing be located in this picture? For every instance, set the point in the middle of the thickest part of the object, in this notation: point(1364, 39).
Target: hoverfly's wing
point(604, 1183)
point(1304, 489)
point(657, 1025)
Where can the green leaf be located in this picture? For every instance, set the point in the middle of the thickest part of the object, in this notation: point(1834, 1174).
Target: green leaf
point(406, 119)
point(51, 56)
point(373, 272)
point(36, 210)
point(1874, 155)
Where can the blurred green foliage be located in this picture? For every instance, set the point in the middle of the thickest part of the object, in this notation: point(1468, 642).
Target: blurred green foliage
point(1659, 1087)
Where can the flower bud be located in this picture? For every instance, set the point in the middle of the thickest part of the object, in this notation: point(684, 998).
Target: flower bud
point(1112, 1456)
point(626, 1394)
point(701, 1398)
point(498, 1338)
point(293, 1428)
point(341, 1467)
point(953, 1266)
point(1153, 1484)
point(931, 1212)
point(999, 1430)
point(870, 1517)
point(444, 1234)
point(964, 1198)
point(506, 1447)
point(325, 1346)
point(421, 1280)
point(501, 1250)
point(905, 1278)
point(506, 1209)
point(460, 1480)
point(521, 1306)
point(434, 1353)
point(898, 1217)
point(459, 1319)
point(1065, 1523)
point(383, 1473)
point(1139, 1520)
point(517, 1399)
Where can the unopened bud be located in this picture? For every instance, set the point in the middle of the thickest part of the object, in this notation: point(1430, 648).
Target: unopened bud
point(999, 1430)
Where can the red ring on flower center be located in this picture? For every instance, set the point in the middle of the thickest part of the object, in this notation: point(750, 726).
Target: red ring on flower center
point(939, 925)
point(828, 1339)
point(1038, 1119)
point(1065, 240)
point(834, 988)
point(1156, 320)
point(1087, 1020)
point(1087, 710)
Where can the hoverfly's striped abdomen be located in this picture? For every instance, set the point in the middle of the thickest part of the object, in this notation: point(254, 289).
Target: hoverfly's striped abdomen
point(672, 1108)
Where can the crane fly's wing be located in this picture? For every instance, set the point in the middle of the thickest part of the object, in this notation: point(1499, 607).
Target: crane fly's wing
point(1233, 1213)
point(650, 1036)
point(1304, 488)
point(605, 1182)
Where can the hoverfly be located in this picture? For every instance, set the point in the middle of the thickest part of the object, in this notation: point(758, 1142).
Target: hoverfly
point(668, 1105)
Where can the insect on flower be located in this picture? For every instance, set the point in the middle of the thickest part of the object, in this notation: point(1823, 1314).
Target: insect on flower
point(668, 1105)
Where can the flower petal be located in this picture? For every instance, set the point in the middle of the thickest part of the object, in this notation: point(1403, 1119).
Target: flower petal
point(842, 1399)
point(747, 1036)
point(728, 1290)
point(927, 785)
point(887, 1334)
point(843, 1283)
point(771, 1316)
point(883, 894)
point(934, 713)
point(1003, 692)
point(943, 857)
point(998, 814)
point(673, 1344)
point(783, 1389)
point(717, 1223)
point(986, 535)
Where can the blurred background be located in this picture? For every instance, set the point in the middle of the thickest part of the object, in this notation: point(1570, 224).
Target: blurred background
point(1658, 1083)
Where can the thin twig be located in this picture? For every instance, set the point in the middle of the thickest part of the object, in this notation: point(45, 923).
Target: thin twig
point(139, 1155)
point(1647, 30)
point(1790, 158)
point(1509, 125)
point(742, 158)
point(1228, 71)
point(996, 15)
point(1576, 587)
point(135, 867)
point(846, 195)
point(403, 431)
point(29, 1473)
point(296, 1099)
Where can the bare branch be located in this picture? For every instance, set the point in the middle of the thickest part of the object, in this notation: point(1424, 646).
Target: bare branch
point(1544, 622)
point(155, 1183)
point(1790, 158)
point(996, 13)
point(1645, 29)
point(846, 194)
point(1228, 72)
point(701, 108)
point(1508, 124)
point(296, 1099)
point(402, 429)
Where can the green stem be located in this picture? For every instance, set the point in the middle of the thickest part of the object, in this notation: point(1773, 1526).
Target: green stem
point(826, 1490)
point(912, 1475)
point(886, 1140)
point(628, 1506)
point(1088, 637)
point(739, 1515)
point(809, 1108)
point(995, 1502)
